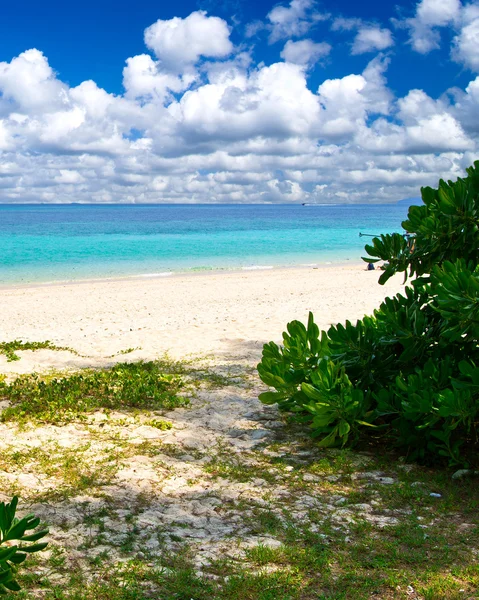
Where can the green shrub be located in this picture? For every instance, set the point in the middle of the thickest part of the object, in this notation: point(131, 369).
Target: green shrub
point(407, 373)
point(13, 547)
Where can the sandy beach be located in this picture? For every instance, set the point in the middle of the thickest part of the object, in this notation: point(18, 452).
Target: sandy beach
point(228, 315)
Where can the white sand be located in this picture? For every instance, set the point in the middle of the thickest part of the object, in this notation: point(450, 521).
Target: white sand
point(227, 315)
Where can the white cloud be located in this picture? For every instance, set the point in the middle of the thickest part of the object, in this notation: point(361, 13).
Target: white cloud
point(438, 132)
point(293, 21)
point(426, 126)
point(417, 105)
point(438, 13)
point(30, 83)
point(466, 107)
point(466, 45)
point(143, 79)
point(5, 140)
point(305, 52)
point(272, 101)
point(94, 100)
point(346, 24)
point(252, 29)
point(348, 102)
point(224, 129)
point(370, 39)
point(179, 42)
point(430, 14)
point(69, 176)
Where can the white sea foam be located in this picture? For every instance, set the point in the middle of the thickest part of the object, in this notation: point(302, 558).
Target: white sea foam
point(257, 267)
point(163, 274)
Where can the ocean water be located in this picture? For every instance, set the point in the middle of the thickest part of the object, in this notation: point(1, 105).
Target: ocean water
point(40, 243)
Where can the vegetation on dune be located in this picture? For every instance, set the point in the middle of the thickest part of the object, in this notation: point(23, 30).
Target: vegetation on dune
point(56, 399)
point(410, 372)
point(10, 349)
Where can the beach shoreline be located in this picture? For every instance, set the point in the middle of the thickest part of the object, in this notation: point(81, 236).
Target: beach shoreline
point(225, 315)
point(344, 263)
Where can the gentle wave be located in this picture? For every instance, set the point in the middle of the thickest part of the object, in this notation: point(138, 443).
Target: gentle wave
point(149, 275)
point(257, 267)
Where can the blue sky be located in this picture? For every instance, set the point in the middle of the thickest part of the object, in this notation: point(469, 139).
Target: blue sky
point(92, 39)
point(235, 101)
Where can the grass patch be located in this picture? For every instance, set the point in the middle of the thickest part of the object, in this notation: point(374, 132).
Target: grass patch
point(141, 385)
point(231, 467)
point(71, 471)
point(10, 349)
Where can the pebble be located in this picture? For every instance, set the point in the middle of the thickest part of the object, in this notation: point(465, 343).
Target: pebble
point(259, 434)
point(310, 477)
point(464, 473)
point(386, 480)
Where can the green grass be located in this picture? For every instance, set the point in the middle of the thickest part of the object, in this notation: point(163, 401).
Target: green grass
point(383, 564)
point(62, 397)
point(59, 399)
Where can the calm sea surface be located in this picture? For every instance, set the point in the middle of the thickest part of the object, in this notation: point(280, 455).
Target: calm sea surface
point(63, 242)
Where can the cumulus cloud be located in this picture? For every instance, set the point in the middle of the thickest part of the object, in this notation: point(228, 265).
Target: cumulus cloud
point(29, 83)
point(438, 12)
point(144, 79)
point(348, 102)
point(432, 15)
point(305, 52)
point(179, 42)
point(429, 16)
point(69, 176)
point(271, 101)
point(370, 39)
point(293, 21)
point(202, 122)
point(466, 107)
point(466, 43)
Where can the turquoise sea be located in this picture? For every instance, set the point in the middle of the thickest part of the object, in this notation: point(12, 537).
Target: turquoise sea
point(40, 243)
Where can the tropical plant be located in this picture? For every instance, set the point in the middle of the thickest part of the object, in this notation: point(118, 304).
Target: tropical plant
point(444, 227)
point(408, 372)
point(14, 546)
